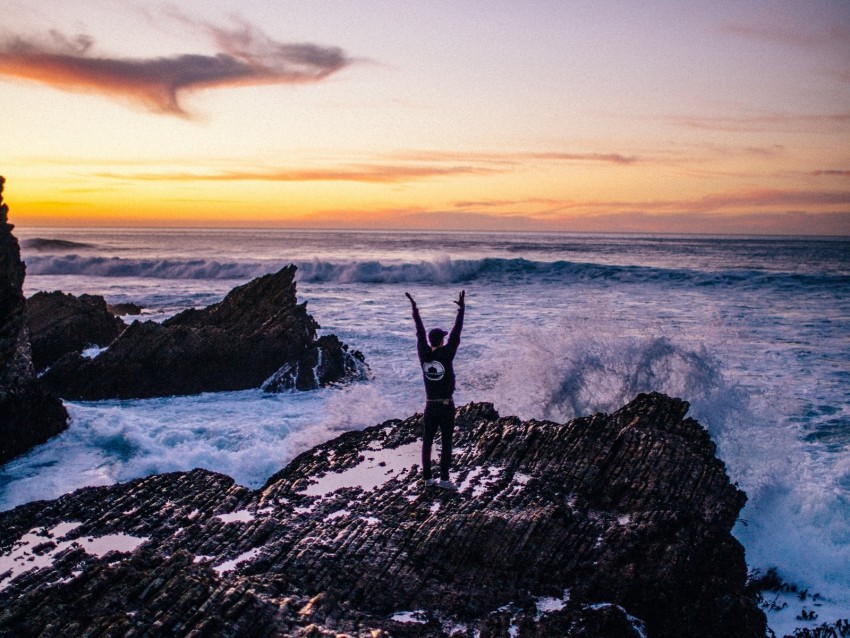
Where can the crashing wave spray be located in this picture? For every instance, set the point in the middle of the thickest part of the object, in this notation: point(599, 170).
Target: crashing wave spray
point(797, 517)
point(558, 375)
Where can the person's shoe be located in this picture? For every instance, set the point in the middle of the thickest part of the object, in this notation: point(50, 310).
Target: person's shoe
point(447, 485)
point(430, 482)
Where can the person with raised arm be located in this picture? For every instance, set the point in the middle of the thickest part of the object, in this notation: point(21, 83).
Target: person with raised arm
point(436, 358)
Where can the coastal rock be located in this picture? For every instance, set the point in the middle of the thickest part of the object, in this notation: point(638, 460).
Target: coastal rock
point(609, 526)
point(124, 309)
point(258, 331)
point(60, 323)
point(28, 415)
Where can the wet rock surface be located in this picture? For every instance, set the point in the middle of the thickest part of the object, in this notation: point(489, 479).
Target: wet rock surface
point(258, 331)
point(124, 309)
point(28, 414)
point(608, 526)
point(61, 323)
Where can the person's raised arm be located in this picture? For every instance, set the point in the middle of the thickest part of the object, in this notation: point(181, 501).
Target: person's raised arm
point(454, 335)
point(421, 340)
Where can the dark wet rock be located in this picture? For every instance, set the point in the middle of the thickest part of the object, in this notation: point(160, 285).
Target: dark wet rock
point(15, 353)
point(258, 331)
point(60, 323)
point(327, 361)
point(610, 526)
point(124, 309)
point(28, 415)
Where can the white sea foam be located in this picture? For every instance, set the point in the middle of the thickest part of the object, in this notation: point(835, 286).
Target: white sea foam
point(248, 435)
point(92, 352)
point(548, 604)
point(788, 611)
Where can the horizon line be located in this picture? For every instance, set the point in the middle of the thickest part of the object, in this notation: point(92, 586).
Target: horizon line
point(489, 231)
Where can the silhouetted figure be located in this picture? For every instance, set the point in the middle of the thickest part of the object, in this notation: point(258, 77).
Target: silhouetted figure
point(439, 375)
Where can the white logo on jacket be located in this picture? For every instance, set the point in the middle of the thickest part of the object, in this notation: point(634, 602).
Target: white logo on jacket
point(434, 370)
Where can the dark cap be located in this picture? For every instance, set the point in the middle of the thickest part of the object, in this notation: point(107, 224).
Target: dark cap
point(436, 335)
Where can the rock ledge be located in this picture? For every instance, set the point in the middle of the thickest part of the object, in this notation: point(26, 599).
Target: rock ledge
point(608, 526)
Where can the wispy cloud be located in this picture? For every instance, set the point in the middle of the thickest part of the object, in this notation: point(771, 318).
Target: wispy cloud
point(771, 122)
point(502, 203)
point(831, 173)
point(245, 56)
point(604, 158)
point(517, 157)
point(365, 173)
point(773, 198)
point(382, 169)
point(782, 30)
point(747, 200)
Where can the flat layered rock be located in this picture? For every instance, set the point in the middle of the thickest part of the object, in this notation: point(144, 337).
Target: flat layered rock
point(608, 526)
point(258, 334)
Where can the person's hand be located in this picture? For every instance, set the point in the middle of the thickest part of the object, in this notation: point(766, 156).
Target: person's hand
point(460, 300)
point(412, 303)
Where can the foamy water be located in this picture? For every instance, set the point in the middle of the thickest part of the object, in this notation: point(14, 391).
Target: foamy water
point(752, 332)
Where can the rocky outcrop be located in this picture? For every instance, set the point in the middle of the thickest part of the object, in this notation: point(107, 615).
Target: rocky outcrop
point(607, 526)
point(28, 415)
point(257, 333)
point(15, 354)
point(124, 309)
point(61, 323)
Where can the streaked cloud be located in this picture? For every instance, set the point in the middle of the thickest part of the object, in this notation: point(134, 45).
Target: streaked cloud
point(772, 122)
point(365, 173)
point(776, 199)
point(501, 203)
point(782, 30)
point(604, 158)
point(245, 56)
point(831, 173)
point(392, 168)
point(517, 157)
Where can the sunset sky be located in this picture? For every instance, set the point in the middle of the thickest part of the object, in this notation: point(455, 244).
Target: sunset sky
point(655, 116)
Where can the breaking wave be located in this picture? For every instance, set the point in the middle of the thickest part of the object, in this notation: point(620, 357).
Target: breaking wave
point(438, 271)
point(152, 268)
point(796, 516)
point(559, 375)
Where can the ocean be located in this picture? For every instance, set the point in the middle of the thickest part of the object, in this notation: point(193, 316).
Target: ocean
point(754, 332)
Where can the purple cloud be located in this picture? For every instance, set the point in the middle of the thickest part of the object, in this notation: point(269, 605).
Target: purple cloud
point(246, 56)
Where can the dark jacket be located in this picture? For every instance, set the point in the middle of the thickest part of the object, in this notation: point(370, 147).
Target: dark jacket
point(437, 367)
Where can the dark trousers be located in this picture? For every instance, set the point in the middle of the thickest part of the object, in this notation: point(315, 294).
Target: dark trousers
point(438, 416)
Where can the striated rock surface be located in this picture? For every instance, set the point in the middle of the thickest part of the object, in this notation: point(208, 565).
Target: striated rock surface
point(257, 333)
point(607, 526)
point(28, 415)
point(61, 323)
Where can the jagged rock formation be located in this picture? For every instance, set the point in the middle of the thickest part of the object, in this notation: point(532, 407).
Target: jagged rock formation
point(28, 415)
point(60, 323)
point(258, 331)
point(609, 526)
